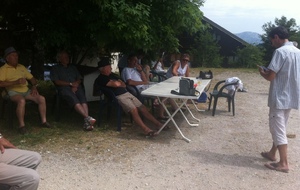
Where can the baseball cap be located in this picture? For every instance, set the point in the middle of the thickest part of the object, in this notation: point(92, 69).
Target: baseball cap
point(104, 61)
point(9, 51)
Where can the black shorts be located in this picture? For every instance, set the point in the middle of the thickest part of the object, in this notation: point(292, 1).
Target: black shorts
point(73, 98)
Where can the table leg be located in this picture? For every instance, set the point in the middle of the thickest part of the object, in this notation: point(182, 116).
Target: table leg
point(171, 117)
point(188, 109)
point(196, 106)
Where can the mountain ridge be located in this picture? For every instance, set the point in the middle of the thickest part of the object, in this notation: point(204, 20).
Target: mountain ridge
point(250, 37)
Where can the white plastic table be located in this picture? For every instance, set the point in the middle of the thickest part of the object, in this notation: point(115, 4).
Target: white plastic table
point(162, 91)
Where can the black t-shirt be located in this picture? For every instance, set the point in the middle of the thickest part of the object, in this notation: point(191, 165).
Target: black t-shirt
point(102, 80)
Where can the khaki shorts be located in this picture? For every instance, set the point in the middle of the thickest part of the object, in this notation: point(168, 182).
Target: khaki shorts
point(128, 102)
point(278, 119)
point(24, 94)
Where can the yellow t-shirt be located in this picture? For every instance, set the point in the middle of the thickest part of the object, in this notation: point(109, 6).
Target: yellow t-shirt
point(9, 73)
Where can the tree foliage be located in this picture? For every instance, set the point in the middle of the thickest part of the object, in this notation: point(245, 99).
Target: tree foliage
point(290, 25)
point(100, 25)
point(205, 50)
point(249, 57)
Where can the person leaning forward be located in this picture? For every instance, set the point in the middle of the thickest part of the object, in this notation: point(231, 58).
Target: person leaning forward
point(128, 102)
point(17, 167)
point(14, 76)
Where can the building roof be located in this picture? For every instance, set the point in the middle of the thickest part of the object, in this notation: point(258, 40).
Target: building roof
point(220, 28)
point(228, 41)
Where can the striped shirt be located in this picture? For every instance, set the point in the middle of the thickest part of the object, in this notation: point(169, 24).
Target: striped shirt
point(284, 92)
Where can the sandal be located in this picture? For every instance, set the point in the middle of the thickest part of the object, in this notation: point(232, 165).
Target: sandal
point(151, 133)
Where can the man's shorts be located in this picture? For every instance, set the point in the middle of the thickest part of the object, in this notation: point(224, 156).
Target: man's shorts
point(73, 98)
point(278, 119)
point(13, 93)
point(128, 102)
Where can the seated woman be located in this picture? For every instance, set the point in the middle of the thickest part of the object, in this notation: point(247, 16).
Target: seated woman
point(180, 67)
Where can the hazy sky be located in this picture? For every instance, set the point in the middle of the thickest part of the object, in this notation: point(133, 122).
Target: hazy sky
point(249, 15)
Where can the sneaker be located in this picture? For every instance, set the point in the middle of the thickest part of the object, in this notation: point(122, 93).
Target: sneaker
point(88, 127)
point(90, 120)
point(46, 125)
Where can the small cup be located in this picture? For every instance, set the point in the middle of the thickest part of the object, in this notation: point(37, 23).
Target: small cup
point(199, 81)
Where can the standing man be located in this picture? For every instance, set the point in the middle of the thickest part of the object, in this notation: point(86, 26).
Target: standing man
point(14, 76)
point(68, 81)
point(17, 167)
point(284, 94)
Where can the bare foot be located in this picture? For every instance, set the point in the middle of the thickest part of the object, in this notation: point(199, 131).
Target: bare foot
point(277, 167)
point(267, 156)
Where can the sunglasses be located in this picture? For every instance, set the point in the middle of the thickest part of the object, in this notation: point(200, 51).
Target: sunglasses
point(185, 60)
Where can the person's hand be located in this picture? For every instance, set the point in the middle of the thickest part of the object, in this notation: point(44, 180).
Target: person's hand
point(74, 89)
point(122, 83)
point(5, 144)
point(262, 70)
point(75, 84)
point(138, 67)
point(34, 91)
point(21, 81)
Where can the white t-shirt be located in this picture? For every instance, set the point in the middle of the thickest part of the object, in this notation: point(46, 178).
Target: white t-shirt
point(132, 74)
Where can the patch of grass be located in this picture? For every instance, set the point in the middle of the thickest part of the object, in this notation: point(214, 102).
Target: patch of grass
point(68, 132)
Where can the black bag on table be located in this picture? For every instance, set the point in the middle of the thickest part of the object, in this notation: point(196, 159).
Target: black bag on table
point(206, 74)
point(186, 87)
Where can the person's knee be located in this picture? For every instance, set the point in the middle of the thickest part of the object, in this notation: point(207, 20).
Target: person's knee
point(20, 101)
point(42, 100)
point(37, 158)
point(32, 179)
point(134, 111)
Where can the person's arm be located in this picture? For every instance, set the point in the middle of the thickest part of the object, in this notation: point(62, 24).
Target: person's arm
point(116, 83)
point(4, 143)
point(34, 84)
point(10, 83)
point(269, 75)
point(187, 73)
point(144, 79)
point(175, 68)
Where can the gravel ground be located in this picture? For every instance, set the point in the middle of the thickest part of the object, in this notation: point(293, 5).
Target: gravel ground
point(224, 152)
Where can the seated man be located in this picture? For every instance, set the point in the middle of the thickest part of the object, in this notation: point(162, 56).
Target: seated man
point(128, 102)
point(14, 76)
point(158, 66)
point(68, 80)
point(133, 75)
point(17, 167)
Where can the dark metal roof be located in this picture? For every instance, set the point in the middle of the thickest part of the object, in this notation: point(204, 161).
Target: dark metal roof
point(220, 28)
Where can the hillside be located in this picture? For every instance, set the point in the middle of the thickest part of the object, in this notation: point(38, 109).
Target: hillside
point(250, 37)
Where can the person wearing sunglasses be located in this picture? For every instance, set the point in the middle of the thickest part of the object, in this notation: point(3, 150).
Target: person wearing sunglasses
point(180, 67)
